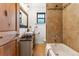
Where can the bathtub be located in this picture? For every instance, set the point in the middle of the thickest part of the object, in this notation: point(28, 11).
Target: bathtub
point(59, 49)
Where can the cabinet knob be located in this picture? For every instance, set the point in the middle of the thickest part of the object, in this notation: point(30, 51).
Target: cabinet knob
point(5, 12)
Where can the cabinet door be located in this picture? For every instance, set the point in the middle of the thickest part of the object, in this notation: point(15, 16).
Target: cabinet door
point(5, 50)
point(13, 48)
point(7, 17)
point(9, 49)
point(1, 51)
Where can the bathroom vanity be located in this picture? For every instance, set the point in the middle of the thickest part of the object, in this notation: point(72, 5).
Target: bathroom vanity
point(12, 44)
point(8, 44)
point(27, 44)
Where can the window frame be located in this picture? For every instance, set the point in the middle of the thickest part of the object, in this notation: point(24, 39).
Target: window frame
point(40, 18)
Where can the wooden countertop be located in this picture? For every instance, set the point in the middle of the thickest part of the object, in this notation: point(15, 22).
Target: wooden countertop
point(6, 37)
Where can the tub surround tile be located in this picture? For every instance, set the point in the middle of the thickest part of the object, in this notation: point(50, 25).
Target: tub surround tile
point(71, 26)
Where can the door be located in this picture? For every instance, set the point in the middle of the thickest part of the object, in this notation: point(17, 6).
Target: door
point(10, 48)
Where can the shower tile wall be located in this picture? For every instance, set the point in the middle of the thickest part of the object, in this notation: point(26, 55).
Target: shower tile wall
point(71, 26)
point(63, 24)
point(54, 23)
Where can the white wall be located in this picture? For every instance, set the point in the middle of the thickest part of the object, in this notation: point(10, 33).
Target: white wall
point(32, 9)
point(25, 7)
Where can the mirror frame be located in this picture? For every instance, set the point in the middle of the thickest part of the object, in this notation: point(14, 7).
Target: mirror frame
point(25, 14)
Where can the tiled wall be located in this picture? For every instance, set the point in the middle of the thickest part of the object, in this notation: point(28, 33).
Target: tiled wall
point(63, 26)
point(71, 26)
point(54, 25)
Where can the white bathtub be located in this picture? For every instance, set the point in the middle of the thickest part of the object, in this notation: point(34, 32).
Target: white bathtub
point(59, 49)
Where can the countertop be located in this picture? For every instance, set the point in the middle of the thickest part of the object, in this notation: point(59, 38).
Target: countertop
point(6, 37)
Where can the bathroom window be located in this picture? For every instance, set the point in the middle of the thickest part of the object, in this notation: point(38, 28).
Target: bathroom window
point(40, 18)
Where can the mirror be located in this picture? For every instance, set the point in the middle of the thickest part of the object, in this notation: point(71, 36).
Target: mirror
point(23, 18)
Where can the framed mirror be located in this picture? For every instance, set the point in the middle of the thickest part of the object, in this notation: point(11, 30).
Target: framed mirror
point(23, 18)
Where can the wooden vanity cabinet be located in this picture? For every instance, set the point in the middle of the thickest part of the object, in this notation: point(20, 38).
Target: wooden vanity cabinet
point(1, 51)
point(8, 16)
point(9, 49)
